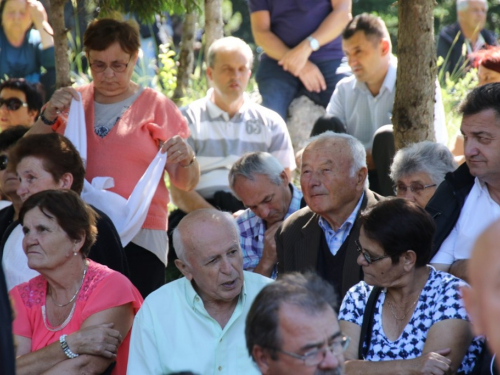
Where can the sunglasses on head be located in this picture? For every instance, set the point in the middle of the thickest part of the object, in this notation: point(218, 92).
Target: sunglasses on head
point(3, 162)
point(12, 104)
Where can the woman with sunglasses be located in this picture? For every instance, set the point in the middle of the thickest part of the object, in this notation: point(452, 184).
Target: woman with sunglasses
point(126, 126)
point(20, 103)
point(418, 320)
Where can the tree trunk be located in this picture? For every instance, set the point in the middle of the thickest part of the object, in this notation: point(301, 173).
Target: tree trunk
point(413, 111)
point(60, 43)
point(213, 23)
point(186, 56)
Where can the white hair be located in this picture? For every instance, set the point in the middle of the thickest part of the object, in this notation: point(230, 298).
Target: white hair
point(464, 4)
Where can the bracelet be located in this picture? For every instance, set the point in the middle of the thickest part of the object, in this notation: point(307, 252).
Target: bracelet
point(66, 349)
point(46, 121)
point(190, 163)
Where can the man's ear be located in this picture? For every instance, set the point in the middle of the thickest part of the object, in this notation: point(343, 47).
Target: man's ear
point(184, 268)
point(209, 72)
point(262, 358)
point(386, 46)
point(361, 176)
point(471, 305)
point(284, 177)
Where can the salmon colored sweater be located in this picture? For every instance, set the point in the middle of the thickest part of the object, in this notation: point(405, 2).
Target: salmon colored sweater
point(127, 150)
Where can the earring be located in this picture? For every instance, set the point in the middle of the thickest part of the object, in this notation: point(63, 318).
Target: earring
point(75, 253)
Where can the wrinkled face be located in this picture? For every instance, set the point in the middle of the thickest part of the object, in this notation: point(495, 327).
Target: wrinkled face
point(229, 75)
point(45, 243)
point(34, 178)
point(301, 332)
point(8, 179)
point(21, 116)
point(482, 144)
point(110, 83)
point(16, 17)
point(474, 16)
point(267, 200)
point(486, 75)
point(418, 181)
point(215, 262)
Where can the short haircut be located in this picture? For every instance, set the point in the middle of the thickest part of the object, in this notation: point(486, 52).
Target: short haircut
point(372, 26)
point(481, 99)
point(254, 163)
point(58, 154)
point(464, 4)
point(307, 291)
point(11, 135)
point(32, 91)
point(398, 225)
point(72, 214)
point(102, 33)
point(229, 43)
point(429, 157)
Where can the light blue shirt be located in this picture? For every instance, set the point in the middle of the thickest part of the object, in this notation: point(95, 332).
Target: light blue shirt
point(173, 332)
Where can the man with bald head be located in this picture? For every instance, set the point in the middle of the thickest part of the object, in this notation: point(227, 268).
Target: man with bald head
point(197, 323)
point(482, 299)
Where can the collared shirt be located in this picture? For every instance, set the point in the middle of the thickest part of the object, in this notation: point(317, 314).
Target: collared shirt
point(335, 239)
point(173, 332)
point(218, 140)
point(252, 229)
point(362, 113)
point(478, 212)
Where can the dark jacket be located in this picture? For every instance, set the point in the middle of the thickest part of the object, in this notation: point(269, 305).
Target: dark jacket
point(7, 357)
point(298, 242)
point(447, 202)
point(447, 44)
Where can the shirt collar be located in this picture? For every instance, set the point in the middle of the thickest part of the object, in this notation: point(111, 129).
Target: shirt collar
point(215, 112)
point(347, 224)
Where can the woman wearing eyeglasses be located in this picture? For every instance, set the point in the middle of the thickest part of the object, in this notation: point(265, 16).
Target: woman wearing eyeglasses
point(418, 169)
point(20, 103)
point(126, 126)
point(418, 321)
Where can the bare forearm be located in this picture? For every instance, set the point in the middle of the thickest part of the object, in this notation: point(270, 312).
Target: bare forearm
point(39, 128)
point(270, 43)
point(459, 269)
point(41, 360)
point(188, 201)
point(184, 178)
point(334, 24)
point(46, 39)
point(83, 364)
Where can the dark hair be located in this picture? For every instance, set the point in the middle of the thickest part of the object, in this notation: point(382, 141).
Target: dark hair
point(481, 99)
point(307, 291)
point(58, 154)
point(102, 33)
point(33, 92)
point(73, 215)
point(373, 27)
point(326, 123)
point(11, 135)
point(398, 225)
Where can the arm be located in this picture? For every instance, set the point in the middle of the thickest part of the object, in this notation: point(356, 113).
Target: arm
point(182, 166)
point(39, 18)
point(188, 201)
point(459, 269)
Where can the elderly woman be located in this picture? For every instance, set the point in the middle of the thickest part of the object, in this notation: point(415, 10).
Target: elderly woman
point(72, 317)
point(20, 103)
point(418, 321)
point(25, 50)
point(418, 169)
point(43, 162)
point(126, 126)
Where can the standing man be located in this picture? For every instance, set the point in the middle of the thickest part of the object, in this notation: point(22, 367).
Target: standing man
point(261, 183)
point(302, 49)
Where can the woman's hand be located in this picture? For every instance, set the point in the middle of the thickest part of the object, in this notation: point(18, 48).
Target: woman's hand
point(178, 151)
point(60, 102)
point(435, 363)
point(101, 340)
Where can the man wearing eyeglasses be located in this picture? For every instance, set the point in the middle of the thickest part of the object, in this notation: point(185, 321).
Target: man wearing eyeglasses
point(292, 328)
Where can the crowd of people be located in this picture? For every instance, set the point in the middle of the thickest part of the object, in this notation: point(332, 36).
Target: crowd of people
point(361, 267)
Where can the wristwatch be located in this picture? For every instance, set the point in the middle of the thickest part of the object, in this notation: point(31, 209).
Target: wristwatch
point(313, 43)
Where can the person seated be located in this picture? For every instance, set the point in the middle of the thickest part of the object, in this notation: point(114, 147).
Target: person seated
point(27, 51)
point(418, 169)
point(419, 323)
point(50, 161)
point(75, 317)
point(261, 183)
point(20, 103)
point(198, 321)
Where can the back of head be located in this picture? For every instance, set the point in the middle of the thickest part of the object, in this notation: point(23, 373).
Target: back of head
point(398, 225)
point(33, 92)
point(104, 32)
point(11, 135)
point(229, 43)
point(58, 154)
point(372, 26)
point(481, 99)
point(307, 291)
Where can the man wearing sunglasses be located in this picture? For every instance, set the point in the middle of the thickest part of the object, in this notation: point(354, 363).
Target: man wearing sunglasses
point(292, 328)
point(20, 103)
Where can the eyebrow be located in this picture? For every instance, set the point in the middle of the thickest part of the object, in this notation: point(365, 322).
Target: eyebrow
point(307, 347)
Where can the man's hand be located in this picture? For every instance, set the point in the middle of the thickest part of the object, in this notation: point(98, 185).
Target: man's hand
point(269, 256)
point(312, 78)
point(295, 59)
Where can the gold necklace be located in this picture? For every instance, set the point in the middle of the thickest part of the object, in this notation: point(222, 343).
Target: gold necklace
point(393, 309)
point(74, 295)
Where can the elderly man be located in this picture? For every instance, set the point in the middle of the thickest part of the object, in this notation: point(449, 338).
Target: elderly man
point(292, 328)
point(469, 199)
point(364, 101)
point(261, 183)
point(197, 322)
point(467, 34)
point(323, 236)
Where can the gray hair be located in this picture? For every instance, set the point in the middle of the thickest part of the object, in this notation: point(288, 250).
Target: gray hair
point(254, 163)
point(464, 4)
point(432, 158)
point(229, 43)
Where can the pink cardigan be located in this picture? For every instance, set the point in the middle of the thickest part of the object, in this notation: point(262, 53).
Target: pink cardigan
point(126, 152)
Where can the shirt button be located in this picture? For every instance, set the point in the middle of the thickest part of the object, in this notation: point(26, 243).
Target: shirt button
point(196, 298)
point(220, 368)
point(220, 340)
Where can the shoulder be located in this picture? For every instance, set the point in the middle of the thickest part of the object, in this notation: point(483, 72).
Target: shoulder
point(346, 83)
point(246, 222)
point(170, 293)
point(298, 219)
point(254, 283)
point(354, 302)
point(32, 292)
point(267, 115)
point(490, 37)
point(448, 32)
point(444, 283)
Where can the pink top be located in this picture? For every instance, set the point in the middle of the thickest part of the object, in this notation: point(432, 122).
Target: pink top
point(130, 146)
point(102, 289)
